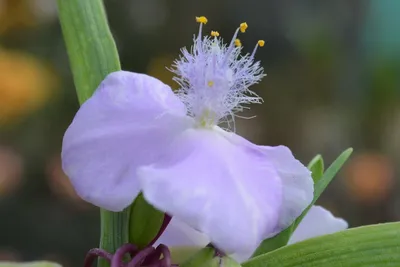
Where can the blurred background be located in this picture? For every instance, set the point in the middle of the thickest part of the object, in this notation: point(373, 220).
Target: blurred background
point(333, 82)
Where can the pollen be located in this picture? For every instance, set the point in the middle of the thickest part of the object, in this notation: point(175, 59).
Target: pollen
point(243, 27)
point(202, 20)
point(214, 77)
point(214, 33)
point(261, 43)
point(238, 43)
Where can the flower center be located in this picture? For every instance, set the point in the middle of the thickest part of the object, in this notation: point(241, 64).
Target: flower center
point(207, 119)
point(214, 77)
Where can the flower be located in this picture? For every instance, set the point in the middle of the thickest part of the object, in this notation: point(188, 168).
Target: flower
point(135, 135)
point(317, 222)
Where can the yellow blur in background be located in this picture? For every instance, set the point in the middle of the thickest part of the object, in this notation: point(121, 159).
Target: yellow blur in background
point(26, 84)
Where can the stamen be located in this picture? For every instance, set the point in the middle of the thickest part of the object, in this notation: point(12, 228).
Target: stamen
point(238, 43)
point(231, 45)
point(214, 33)
point(202, 20)
point(260, 43)
point(243, 27)
point(214, 58)
point(221, 68)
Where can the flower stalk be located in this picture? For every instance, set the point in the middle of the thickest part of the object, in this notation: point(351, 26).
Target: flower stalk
point(92, 54)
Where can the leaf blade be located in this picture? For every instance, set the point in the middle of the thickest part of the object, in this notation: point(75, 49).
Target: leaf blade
point(91, 48)
point(374, 245)
point(144, 223)
point(316, 166)
point(321, 182)
point(93, 55)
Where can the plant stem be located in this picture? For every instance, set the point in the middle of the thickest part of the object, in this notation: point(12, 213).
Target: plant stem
point(93, 54)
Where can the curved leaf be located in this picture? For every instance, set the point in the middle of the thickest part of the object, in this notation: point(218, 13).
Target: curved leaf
point(91, 48)
point(316, 166)
point(144, 223)
point(203, 258)
point(92, 55)
point(374, 245)
point(321, 182)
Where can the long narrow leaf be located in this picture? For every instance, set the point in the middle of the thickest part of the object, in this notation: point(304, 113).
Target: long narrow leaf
point(320, 185)
point(375, 245)
point(93, 54)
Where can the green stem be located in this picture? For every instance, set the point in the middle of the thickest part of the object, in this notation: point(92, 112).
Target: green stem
point(114, 231)
point(93, 54)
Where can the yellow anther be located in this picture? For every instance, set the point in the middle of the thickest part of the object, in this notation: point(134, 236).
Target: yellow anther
point(202, 19)
point(261, 43)
point(243, 26)
point(214, 33)
point(238, 42)
point(210, 83)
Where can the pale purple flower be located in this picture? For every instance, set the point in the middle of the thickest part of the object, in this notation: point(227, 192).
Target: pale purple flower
point(317, 222)
point(135, 135)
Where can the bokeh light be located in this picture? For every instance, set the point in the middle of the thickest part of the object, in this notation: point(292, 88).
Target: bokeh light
point(59, 183)
point(369, 177)
point(11, 168)
point(25, 84)
point(9, 255)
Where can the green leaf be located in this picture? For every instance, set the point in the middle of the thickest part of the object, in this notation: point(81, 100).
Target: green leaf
point(275, 242)
point(181, 254)
point(321, 182)
point(92, 54)
point(29, 264)
point(203, 258)
point(316, 166)
point(145, 222)
point(206, 257)
point(226, 262)
point(374, 245)
point(90, 45)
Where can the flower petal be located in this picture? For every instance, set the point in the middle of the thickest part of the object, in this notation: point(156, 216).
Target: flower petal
point(297, 183)
point(123, 125)
point(179, 234)
point(227, 191)
point(317, 222)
